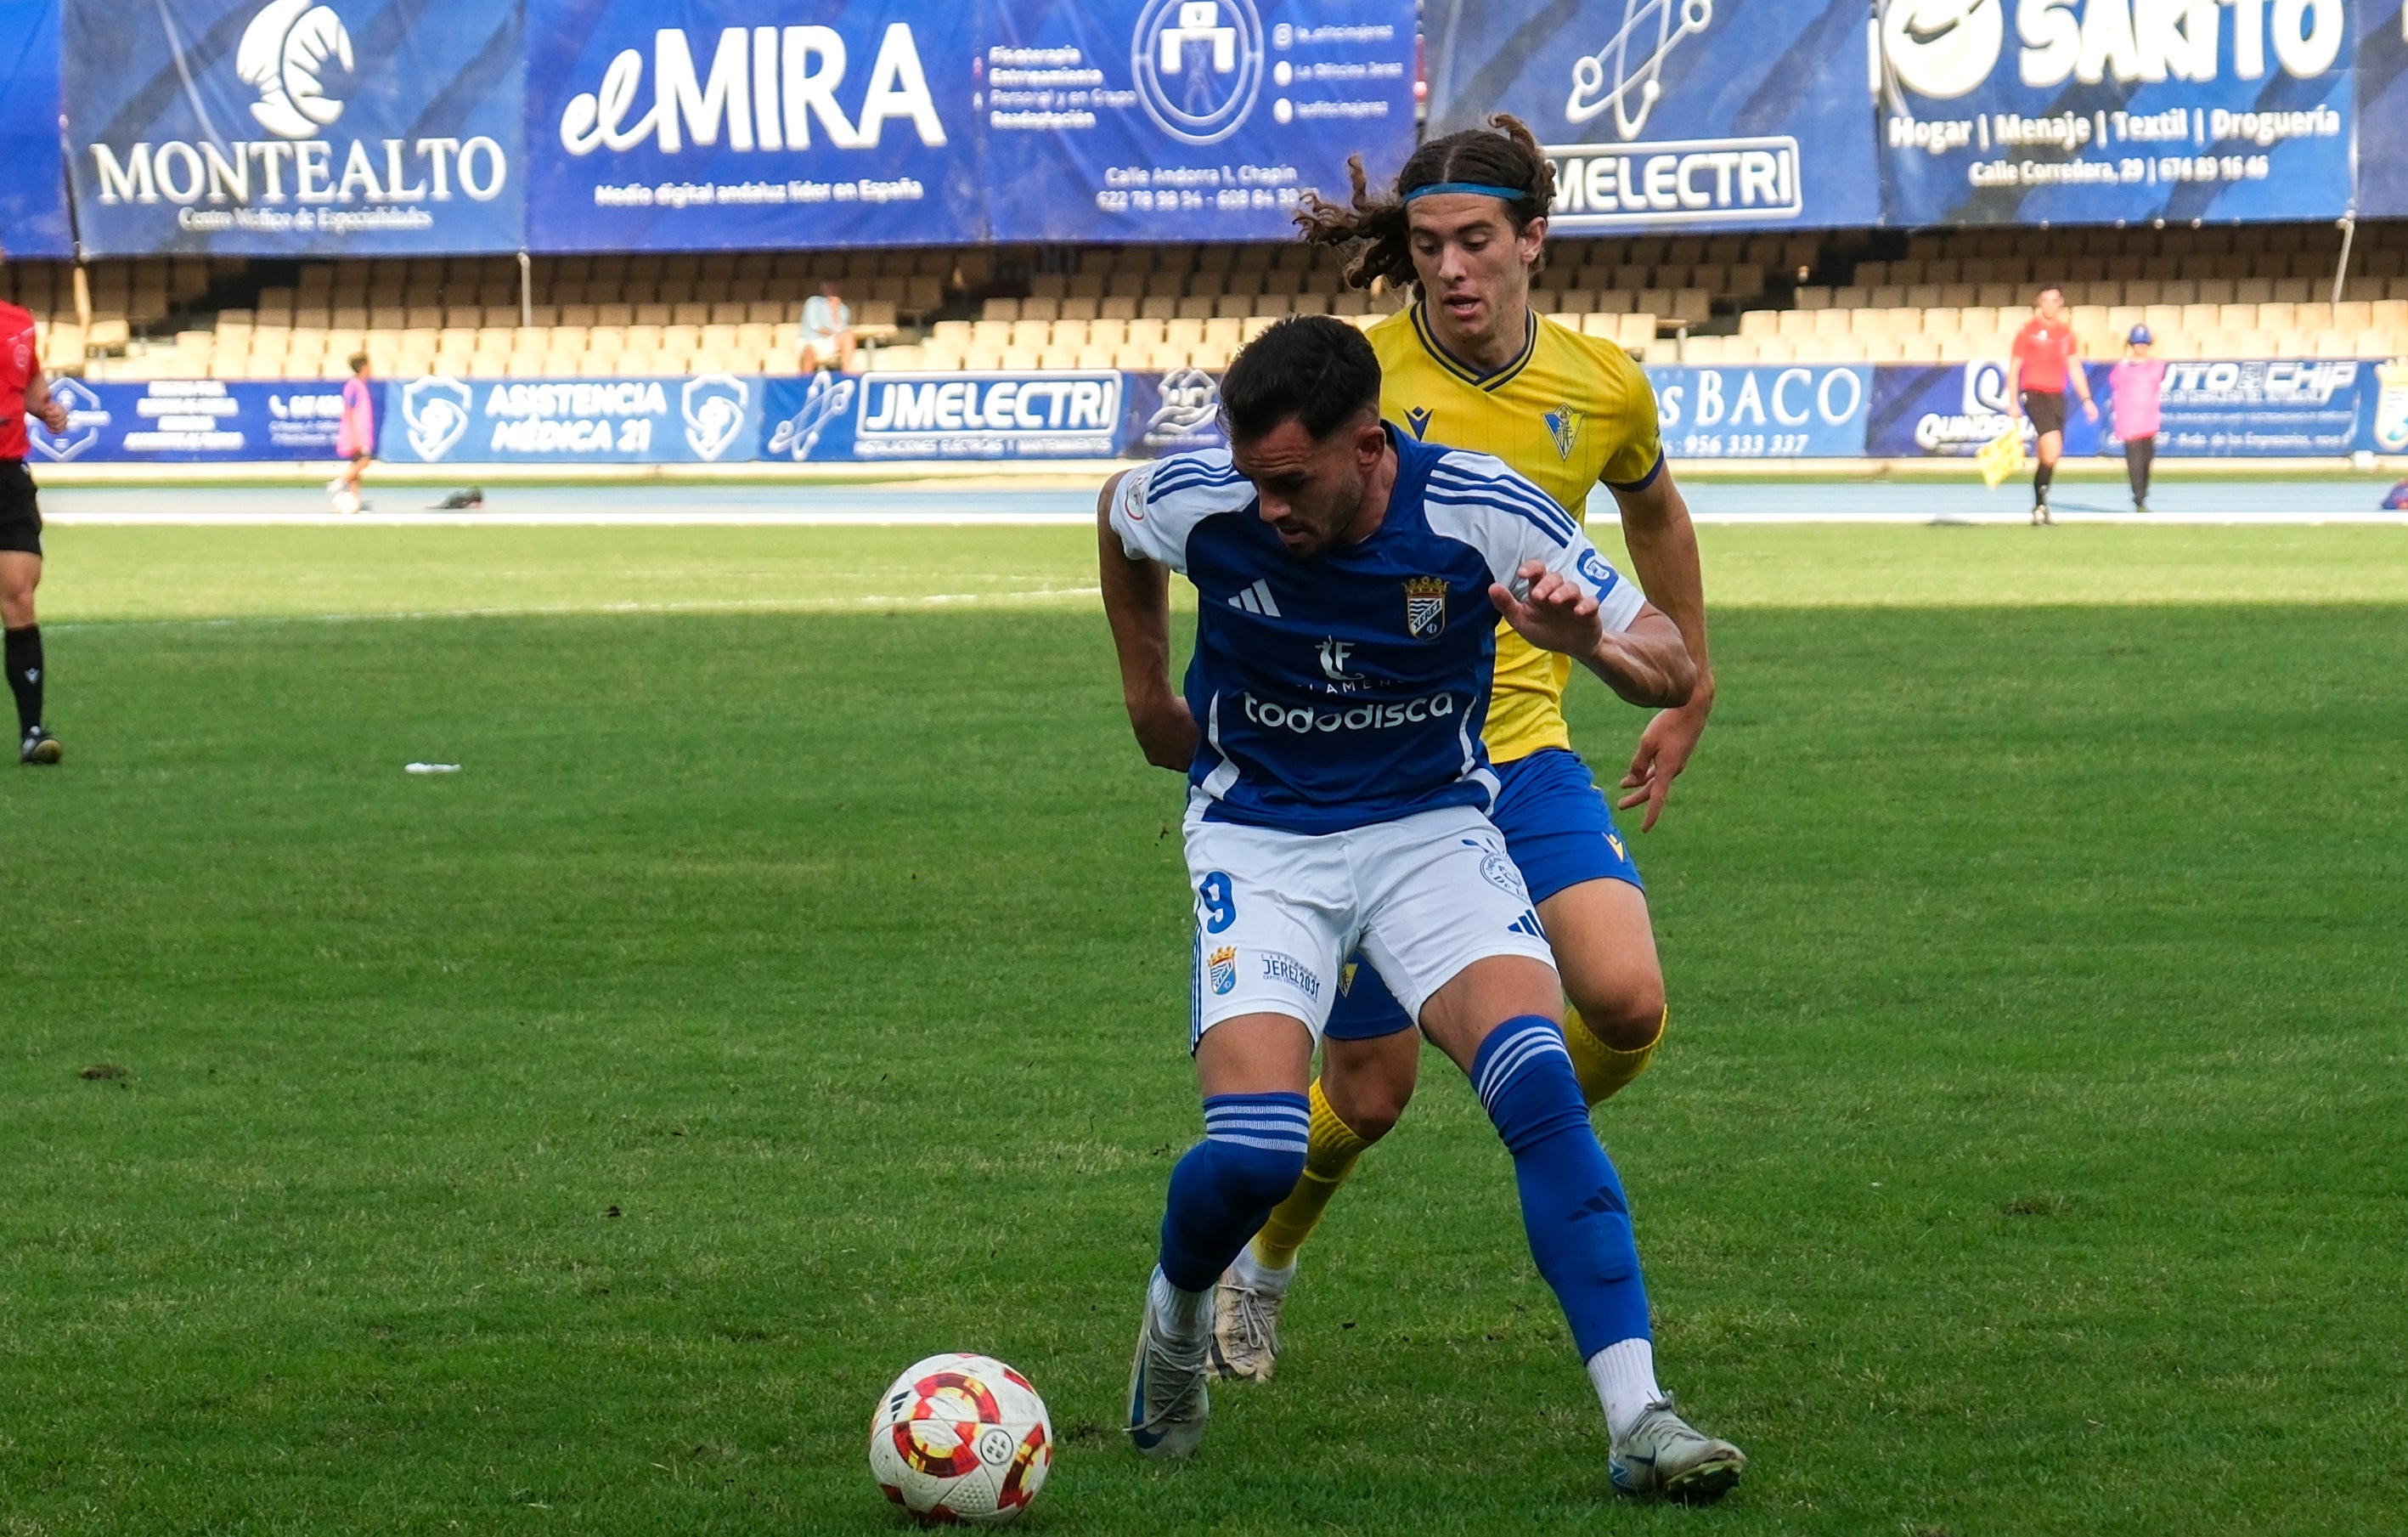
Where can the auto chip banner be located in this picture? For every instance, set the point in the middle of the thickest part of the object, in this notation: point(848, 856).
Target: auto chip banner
point(278, 127)
point(708, 125)
point(2099, 111)
point(33, 193)
point(2382, 109)
point(2260, 407)
point(1177, 119)
point(1671, 114)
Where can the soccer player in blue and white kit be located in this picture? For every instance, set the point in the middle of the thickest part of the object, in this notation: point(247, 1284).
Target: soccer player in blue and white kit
point(1349, 578)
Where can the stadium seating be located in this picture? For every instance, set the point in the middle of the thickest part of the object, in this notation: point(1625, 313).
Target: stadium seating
point(1843, 297)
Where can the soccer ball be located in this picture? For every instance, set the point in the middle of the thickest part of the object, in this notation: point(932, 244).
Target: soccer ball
point(961, 1437)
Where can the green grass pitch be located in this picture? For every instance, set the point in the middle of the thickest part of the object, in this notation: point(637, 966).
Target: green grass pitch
point(793, 983)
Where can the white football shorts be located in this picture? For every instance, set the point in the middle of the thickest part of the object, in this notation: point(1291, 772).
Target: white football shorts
point(1277, 913)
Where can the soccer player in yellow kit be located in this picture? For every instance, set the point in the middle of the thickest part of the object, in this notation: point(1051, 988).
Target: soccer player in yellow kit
point(1469, 364)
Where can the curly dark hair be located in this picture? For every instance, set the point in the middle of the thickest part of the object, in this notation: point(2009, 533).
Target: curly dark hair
point(1505, 153)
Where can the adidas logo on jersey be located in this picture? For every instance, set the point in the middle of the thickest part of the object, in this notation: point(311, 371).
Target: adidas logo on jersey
point(1256, 600)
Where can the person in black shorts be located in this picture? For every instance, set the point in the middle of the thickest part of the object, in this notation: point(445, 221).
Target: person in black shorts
point(23, 393)
point(2046, 358)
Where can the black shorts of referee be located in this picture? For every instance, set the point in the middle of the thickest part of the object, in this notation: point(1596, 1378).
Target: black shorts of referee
point(2046, 408)
point(21, 519)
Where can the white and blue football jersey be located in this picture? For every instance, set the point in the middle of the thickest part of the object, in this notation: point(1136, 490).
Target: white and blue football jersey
point(1347, 688)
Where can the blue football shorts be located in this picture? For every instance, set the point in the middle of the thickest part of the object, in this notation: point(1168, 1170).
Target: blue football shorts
point(1557, 829)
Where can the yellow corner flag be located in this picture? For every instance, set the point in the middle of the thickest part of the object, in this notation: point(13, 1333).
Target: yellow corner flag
point(2003, 455)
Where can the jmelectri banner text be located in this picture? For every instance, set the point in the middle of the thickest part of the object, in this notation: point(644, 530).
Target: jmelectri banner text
point(1672, 114)
point(2099, 112)
point(33, 192)
point(330, 127)
point(1186, 120)
point(2382, 109)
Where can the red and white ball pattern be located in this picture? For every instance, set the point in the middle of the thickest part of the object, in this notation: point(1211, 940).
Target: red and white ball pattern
point(961, 1437)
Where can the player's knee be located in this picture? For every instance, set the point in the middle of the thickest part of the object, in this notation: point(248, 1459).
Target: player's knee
point(1371, 1110)
point(1624, 1016)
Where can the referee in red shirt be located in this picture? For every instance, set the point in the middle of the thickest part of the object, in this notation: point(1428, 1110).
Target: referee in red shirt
point(23, 393)
point(2045, 358)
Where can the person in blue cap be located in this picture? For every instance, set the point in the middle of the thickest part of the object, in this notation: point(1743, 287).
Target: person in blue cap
point(2134, 385)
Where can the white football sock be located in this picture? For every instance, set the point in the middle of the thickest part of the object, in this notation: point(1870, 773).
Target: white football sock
point(1187, 1316)
point(1624, 1374)
point(1253, 1272)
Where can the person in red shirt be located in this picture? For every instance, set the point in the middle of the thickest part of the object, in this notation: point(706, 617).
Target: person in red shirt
point(2046, 357)
point(23, 393)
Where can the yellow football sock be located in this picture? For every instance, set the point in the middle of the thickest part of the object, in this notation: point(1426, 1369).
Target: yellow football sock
point(1329, 1156)
point(1602, 1071)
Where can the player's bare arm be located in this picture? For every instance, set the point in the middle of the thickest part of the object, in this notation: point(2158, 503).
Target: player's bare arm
point(44, 406)
point(1663, 545)
point(2015, 389)
point(1646, 664)
point(2079, 377)
point(1136, 602)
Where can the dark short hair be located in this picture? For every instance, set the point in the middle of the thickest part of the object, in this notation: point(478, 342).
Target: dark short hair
point(358, 361)
point(1315, 368)
point(2057, 289)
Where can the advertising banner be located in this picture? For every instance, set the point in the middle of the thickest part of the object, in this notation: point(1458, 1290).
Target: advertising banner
point(1176, 119)
point(1763, 411)
point(709, 419)
point(2259, 408)
point(2262, 407)
point(872, 417)
point(1949, 410)
point(2100, 112)
point(195, 420)
point(2382, 109)
point(287, 127)
point(708, 125)
point(2250, 408)
point(1672, 114)
point(864, 418)
point(33, 188)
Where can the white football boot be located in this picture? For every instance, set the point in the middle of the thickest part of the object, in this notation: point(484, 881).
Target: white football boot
point(1245, 1327)
point(1665, 1455)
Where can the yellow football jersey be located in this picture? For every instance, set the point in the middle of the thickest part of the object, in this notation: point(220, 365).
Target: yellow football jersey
point(1569, 411)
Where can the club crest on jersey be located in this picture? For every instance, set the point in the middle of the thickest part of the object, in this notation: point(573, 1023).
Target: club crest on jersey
point(1425, 606)
point(1564, 425)
point(1418, 418)
point(1222, 967)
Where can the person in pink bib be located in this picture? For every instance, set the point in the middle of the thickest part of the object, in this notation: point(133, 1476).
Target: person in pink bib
point(2134, 385)
point(354, 434)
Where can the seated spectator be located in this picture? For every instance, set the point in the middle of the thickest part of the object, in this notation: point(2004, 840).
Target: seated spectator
point(827, 331)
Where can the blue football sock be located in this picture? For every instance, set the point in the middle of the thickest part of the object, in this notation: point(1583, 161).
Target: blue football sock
point(1572, 1206)
point(1250, 1157)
